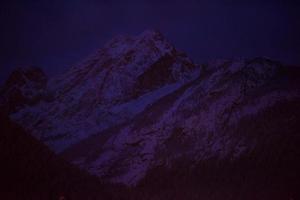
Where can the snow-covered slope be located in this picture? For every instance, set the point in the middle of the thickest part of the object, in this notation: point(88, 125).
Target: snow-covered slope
point(109, 88)
point(194, 121)
point(138, 103)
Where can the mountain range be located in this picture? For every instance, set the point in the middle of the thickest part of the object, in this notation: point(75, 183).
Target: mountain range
point(140, 112)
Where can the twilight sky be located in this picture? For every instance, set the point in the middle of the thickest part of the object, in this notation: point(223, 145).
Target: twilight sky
point(57, 34)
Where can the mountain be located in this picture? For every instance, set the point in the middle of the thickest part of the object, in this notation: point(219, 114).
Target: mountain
point(139, 112)
point(195, 122)
point(109, 88)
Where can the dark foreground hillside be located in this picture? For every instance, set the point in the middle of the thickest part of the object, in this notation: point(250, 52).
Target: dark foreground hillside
point(270, 171)
point(29, 170)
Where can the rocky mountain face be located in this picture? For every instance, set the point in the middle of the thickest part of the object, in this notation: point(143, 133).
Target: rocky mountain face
point(139, 104)
point(194, 122)
point(24, 87)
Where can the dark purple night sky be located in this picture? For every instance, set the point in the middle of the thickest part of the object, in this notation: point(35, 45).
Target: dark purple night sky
point(56, 34)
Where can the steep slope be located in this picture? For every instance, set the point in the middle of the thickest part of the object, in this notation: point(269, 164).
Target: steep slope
point(109, 88)
point(193, 122)
point(269, 170)
point(29, 170)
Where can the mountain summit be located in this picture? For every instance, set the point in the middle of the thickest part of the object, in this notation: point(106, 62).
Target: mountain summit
point(109, 88)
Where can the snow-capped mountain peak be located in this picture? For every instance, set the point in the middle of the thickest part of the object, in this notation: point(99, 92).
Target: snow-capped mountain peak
point(138, 105)
point(100, 91)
